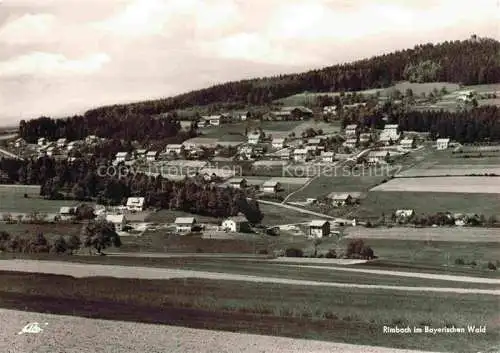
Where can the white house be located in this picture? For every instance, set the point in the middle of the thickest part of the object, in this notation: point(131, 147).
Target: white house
point(41, 141)
point(339, 199)
point(61, 142)
point(184, 224)
point(271, 186)
point(135, 204)
point(392, 130)
point(214, 120)
point(330, 109)
point(236, 224)
point(378, 157)
point(52, 151)
point(365, 137)
point(173, 148)
point(238, 183)
point(442, 143)
point(278, 143)
point(407, 143)
point(253, 138)
point(404, 213)
point(314, 141)
point(67, 213)
point(351, 130)
point(91, 139)
point(122, 157)
point(140, 153)
point(72, 145)
point(20, 142)
point(327, 157)
point(350, 143)
point(151, 156)
point(285, 154)
point(318, 229)
point(300, 155)
point(118, 220)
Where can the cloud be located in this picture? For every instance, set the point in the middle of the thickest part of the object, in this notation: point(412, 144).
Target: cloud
point(49, 64)
point(29, 28)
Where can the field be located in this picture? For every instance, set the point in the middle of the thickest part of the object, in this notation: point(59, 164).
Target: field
point(341, 315)
point(463, 184)
point(275, 215)
point(377, 202)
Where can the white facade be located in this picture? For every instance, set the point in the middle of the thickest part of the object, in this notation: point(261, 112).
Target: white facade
point(151, 156)
point(41, 141)
point(300, 155)
point(135, 204)
point(118, 220)
point(407, 143)
point(173, 148)
point(327, 157)
point(184, 224)
point(214, 120)
point(270, 186)
point(61, 142)
point(350, 143)
point(377, 157)
point(278, 143)
point(122, 157)
point(442, 144)
point(319, 229)
point(254, 138)
point(234, 224)
point(350, 130)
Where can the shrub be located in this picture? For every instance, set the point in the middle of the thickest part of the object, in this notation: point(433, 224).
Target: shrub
point(459, 261)
point(263, 252)
point(331, 254)
point(367, 253)
point(491, 266)
point(473, 263)
point(60, 246)
point(293, 252)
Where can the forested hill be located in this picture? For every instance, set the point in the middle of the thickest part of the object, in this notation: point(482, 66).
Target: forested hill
point(469, 62)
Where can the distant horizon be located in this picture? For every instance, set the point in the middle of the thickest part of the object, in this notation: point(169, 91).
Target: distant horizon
point(134, 50)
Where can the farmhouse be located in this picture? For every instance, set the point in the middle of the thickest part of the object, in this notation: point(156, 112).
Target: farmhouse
point(351, 130)
point(236, 224)
point(407, 143)
point(285, 154)
point(390, 133)
point(254, 138)
point(300, 155)
point(122, 157)
point(318, 229)
point(238, 183)
point(72, 145)
point(271, 186)
point(20, 142)
point(214, 120)
point(353, 106)
point(67, 213)
point(118, 220)
point(52, 151)
point(151, 156)
point(340, 199)
point(184, 224)
point(200, 142)
point(140, 153)
point(365, 137)
point(173, 149)
point(61, 142)
point(314, 141)
point(298, 112)
point(91, 139)
point(278, 143)
point(327, 157)
point(442, 143)
point(404, 213)
point(350, 143)
point(330, 109)
point(135, 204)
point(378, 157)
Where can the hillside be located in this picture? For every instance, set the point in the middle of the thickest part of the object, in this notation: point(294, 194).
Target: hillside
point(468, 62)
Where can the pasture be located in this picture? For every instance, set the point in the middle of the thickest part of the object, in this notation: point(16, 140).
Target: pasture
point(350, 315)
point(455, 184)
point(378, 202)
point(13, 200)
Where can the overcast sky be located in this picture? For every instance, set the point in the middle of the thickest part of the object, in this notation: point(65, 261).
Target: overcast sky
point(63, 56)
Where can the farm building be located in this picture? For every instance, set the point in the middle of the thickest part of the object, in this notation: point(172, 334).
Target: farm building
point(314, 141)
point(327, 157)
point(300, 155)
point(62, 142)
point(340, 199)
point(20, 142)
point(278, 143)
point(351, 130)
point(135, 204)
point(72, 145)
point(238, 183)
point(442, 144)
point(285, 154)
point(214, 120)
point(407, 143)
point(184, 224)
point(271, 186)
point(152, 156)
point(390, 133)
point(173, 148)
point(254, 138)
point(91, 139)
point(236, 224)
point(52, 151)
point(67, 213)
point(378, 157)
point(404, 213)
point(350, 143)
point(318, 229)
point(122, 157)
point(140, 153)
point(365, 137)
point(118, 220)
point(298, 112)
point(41, 141)
point(330, 109)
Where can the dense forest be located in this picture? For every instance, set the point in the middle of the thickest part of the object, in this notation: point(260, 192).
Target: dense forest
point(116, 124)
point(81, 181)
point(472, 61)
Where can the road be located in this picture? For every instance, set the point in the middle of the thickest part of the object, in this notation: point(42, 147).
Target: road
point(72, 334)
point(91, 270)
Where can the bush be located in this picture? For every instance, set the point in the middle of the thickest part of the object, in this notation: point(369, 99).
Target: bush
point(473, 263)
point(293, 252)
point(459, 261)
point(60, 246)
point(331, 254)
point(263, 252)
point(491, 266)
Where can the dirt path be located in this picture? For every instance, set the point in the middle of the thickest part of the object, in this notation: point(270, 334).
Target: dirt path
point(443, 277)
point(88, 270)
point(71, 334)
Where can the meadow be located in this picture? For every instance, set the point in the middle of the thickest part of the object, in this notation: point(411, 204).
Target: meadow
point(341, 315)
point(452, 184)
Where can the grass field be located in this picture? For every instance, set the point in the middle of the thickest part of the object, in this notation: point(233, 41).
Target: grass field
point(274, 215)
point(341, 315)
point(13, 200)
point(454, 184)
point(377, 202)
